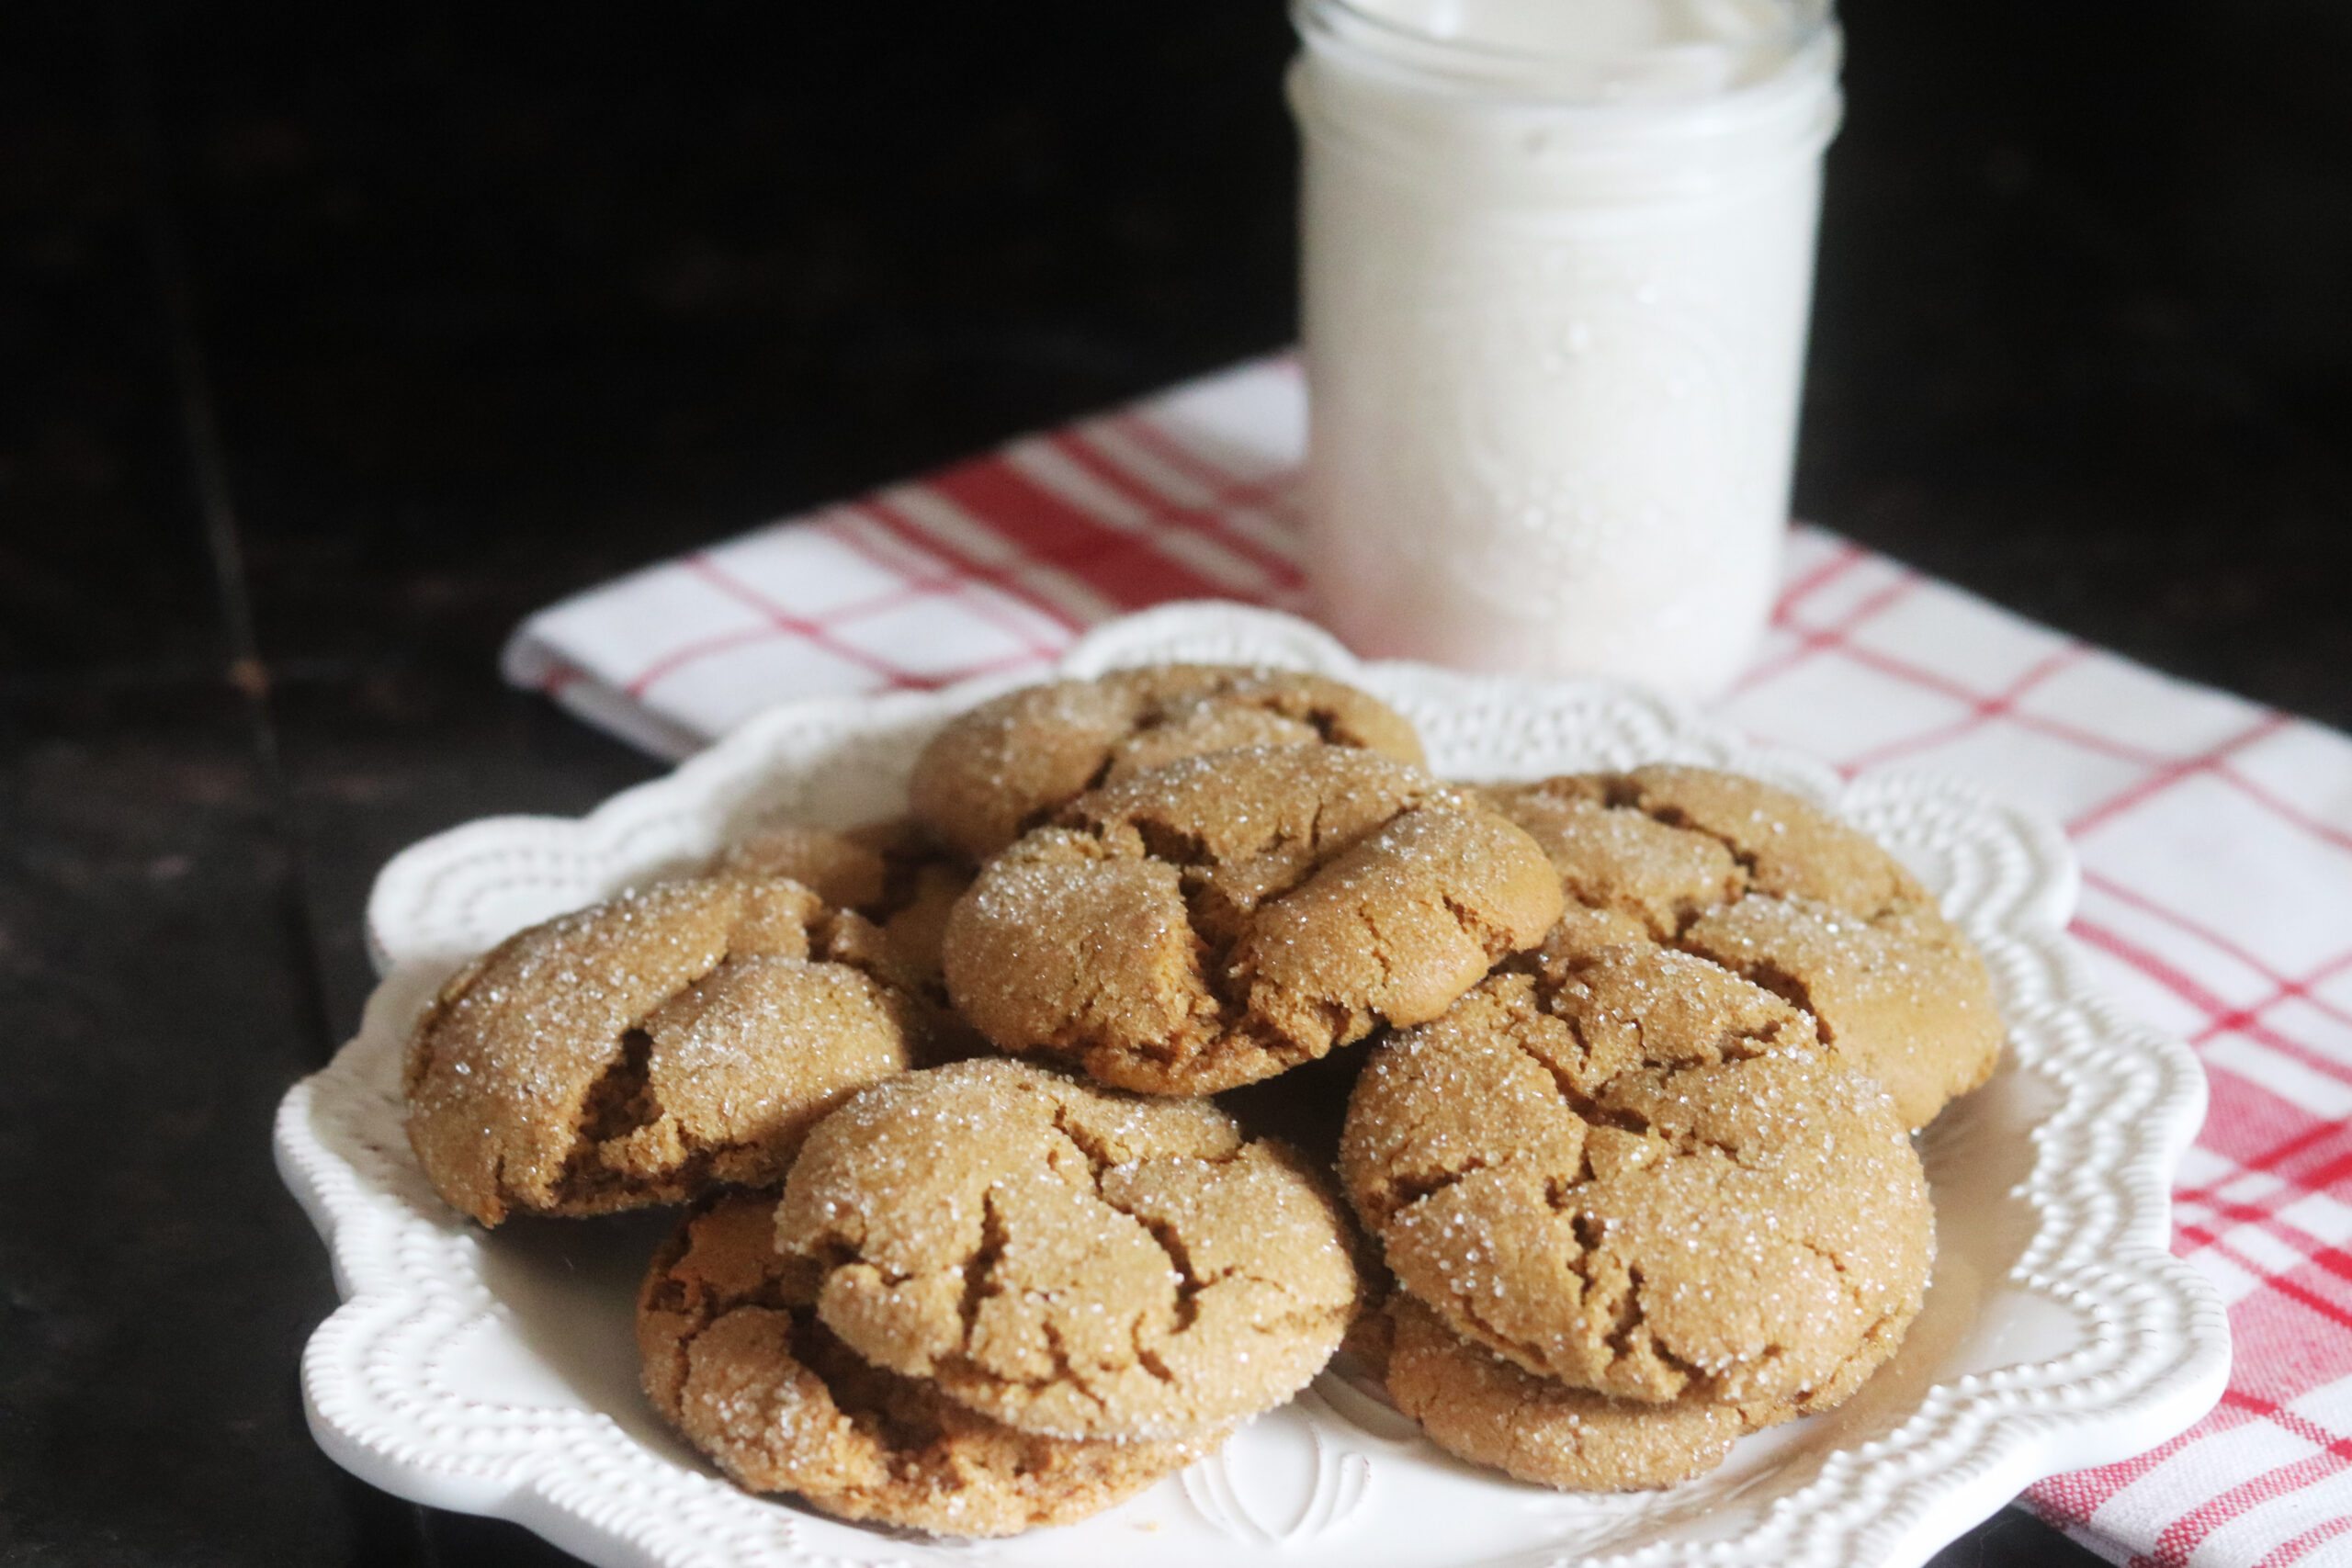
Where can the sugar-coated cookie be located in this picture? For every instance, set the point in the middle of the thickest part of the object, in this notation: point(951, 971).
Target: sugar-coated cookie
point(895, 884)
point(640, 1050)
point(1220, 919)
point(849, 871)
point(1639, 1173)
point(1478, 1406)
point(1067, 1260)
point(1003, 768)
point(735, 1358)
point(1752, 877)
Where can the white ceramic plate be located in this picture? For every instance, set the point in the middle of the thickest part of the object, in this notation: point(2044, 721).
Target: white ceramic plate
point(495, 1373)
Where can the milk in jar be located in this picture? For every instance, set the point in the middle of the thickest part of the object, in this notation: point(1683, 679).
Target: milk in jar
point(1557, 261)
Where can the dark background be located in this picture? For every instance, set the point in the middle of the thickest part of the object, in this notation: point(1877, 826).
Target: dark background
point(332, 340)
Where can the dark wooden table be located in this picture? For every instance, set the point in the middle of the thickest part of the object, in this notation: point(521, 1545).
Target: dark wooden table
point(332, 342)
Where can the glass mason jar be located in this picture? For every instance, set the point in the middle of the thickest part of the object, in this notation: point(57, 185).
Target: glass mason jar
point(1557, 262)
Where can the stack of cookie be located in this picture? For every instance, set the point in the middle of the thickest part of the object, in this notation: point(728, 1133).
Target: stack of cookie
point(1632, 1140)
point(1650, 1186)
point(991, 1297)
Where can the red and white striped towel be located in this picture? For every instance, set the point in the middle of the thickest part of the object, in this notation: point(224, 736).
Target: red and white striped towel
point(2215, 836)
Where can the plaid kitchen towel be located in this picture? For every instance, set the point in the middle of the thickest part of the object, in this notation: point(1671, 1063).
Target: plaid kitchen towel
point(2215, 836)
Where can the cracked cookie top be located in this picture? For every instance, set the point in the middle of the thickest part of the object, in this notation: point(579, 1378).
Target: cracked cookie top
point(895, 878)
point(1638, 1174)
point(735, 1358)
point(1066, 1259)
point(1000, 769)
point(1753, 878)
point(1217, 920)
point(640, 1050)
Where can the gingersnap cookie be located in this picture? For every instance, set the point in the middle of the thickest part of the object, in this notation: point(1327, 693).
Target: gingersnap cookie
point(1228, 916)
point(1003, 768)
point(1478, 1406)
point(894, 881)
point(638, 1051)
point(1066, 1260)
point(849, 871)
point(1756, 880)
point(735, 1358)
point(1637, 1173)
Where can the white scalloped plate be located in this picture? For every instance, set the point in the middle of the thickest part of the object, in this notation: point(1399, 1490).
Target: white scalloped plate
point(495, 1373)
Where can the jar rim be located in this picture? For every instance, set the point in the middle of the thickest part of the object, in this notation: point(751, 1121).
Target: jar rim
point(1654, 72)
